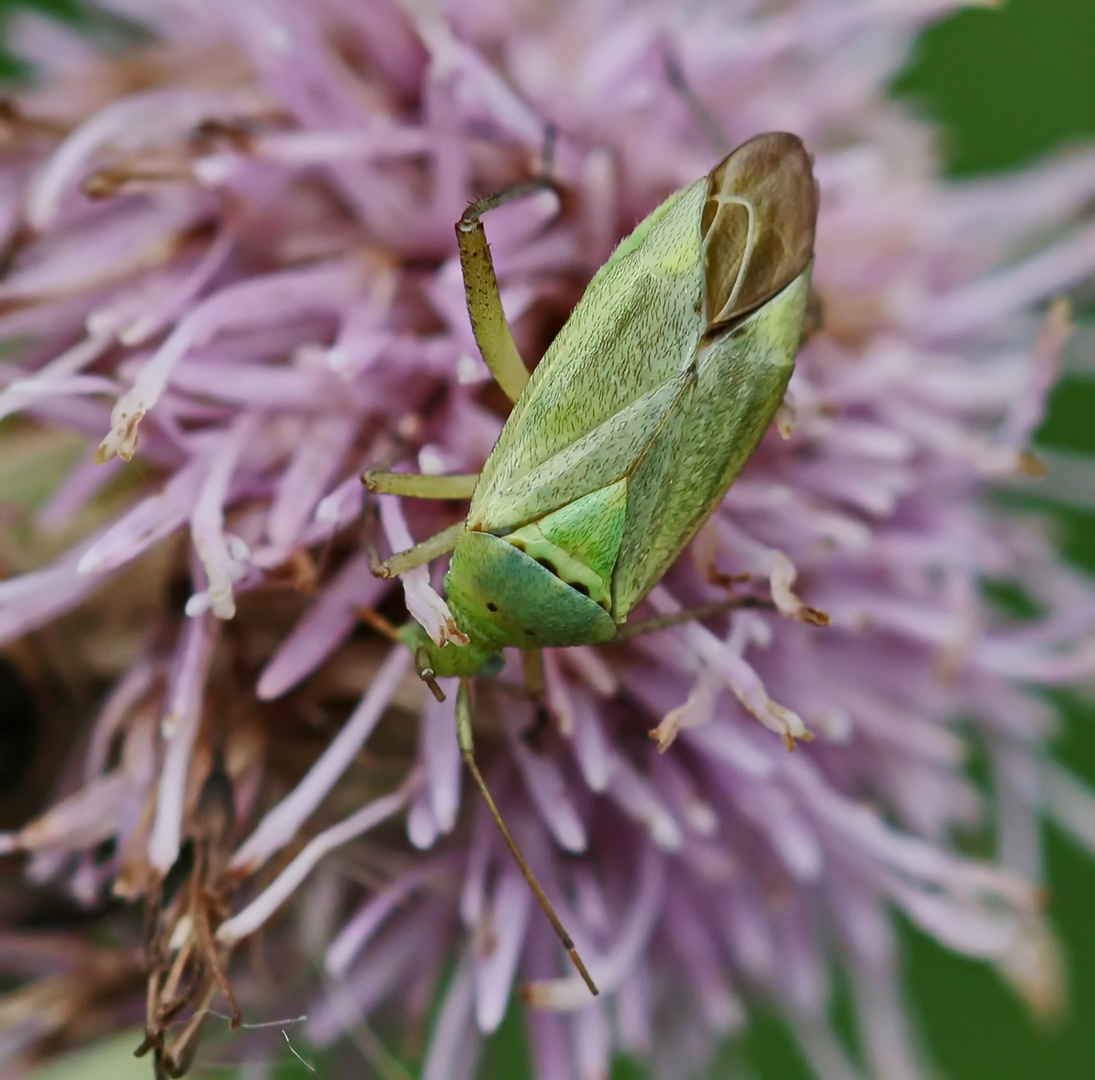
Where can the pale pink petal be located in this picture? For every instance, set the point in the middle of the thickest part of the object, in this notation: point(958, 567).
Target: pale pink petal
point(280, 825)
point(286, 883)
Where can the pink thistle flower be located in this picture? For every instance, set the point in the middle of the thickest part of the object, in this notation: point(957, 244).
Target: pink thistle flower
point(230, 262)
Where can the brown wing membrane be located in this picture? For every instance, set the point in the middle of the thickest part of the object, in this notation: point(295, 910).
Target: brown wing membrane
point(757, 225)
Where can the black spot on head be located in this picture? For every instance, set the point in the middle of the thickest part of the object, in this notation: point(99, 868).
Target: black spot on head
point(527, 632)
point(491, 606)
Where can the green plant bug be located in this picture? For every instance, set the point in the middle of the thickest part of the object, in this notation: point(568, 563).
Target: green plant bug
point(632, 428)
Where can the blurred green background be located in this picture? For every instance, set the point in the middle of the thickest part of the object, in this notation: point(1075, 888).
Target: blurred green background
point(1007, 85)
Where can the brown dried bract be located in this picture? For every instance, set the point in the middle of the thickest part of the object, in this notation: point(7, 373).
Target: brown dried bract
point(186, 965)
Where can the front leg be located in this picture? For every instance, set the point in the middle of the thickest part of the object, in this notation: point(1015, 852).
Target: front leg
point(418, 486)
point(429, 549)
point(488, 320)
point(532, 664)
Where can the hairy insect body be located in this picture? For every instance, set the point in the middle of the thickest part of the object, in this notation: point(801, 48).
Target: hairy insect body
point(640, 415)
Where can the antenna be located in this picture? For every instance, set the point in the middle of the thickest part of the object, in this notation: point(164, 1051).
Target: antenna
point(467, 750)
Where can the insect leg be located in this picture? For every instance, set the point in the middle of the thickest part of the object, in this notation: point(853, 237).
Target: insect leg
point(429, 549)
point(676, 618)
point(420, 485)
point(532, 664)
point(488, 320)
point(467, 750)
